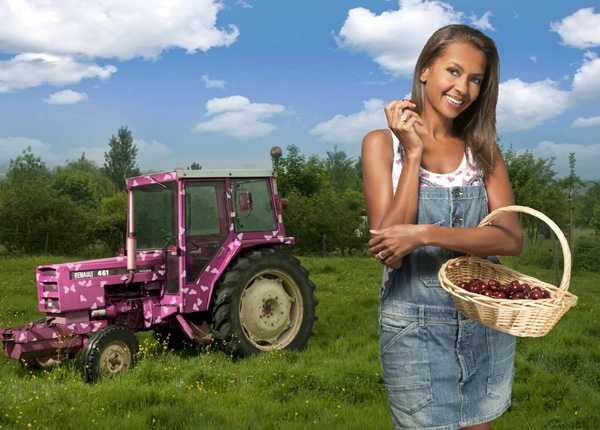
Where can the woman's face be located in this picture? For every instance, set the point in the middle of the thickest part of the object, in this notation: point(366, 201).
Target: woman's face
point(454, 79)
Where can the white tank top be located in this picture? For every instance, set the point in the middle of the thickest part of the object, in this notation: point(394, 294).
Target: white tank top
point(466, 174)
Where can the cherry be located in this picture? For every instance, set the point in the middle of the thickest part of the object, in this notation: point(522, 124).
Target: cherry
point(517, 296)
point(488, 293)
point(493, 283)
point(475, 282)
point(474, 289)
point(505, 289)
point(464, 286)
point(536, 289)
point(536, 295)
point(545, 294)
point(526, 289)
point(515, 287)
point(500, 294)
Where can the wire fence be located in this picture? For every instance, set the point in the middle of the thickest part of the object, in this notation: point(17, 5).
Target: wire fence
point(56, 242)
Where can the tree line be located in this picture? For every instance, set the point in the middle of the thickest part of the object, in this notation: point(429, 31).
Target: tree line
point(80, 203)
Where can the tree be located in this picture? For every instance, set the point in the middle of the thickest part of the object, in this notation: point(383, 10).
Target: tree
point(120, 159)
point(341, 170)
point(111, 224)
point(195, 166)
point(533, 185)
point(26, 168)
point(571, 186)
point(33, 215)
point(296, 173)
point(587, 204)
point(82, 181)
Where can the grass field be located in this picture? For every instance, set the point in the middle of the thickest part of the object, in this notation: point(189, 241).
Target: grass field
point(335, 383)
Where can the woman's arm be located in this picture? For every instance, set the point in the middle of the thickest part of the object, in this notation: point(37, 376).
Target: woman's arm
point(503, 237)
point(384, 208)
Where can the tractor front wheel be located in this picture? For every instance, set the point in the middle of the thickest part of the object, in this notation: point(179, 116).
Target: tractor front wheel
point(264, 301)
point(109, 352)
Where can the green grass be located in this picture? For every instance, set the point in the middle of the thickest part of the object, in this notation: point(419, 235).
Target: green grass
point(335, 383)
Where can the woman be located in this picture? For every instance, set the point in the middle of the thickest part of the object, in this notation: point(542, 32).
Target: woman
point(442, 371)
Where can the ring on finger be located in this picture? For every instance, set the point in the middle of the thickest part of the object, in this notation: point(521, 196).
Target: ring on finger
point(381, 257)
point(402, 116)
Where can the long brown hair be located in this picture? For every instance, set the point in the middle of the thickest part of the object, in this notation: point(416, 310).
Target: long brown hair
point(476, 126)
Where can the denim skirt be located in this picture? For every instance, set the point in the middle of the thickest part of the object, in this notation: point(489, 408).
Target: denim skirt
point(442, 370)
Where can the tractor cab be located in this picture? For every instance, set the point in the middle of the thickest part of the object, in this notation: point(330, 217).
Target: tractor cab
point(200, 219)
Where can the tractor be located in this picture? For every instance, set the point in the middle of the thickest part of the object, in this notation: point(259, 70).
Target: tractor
point(203, 263)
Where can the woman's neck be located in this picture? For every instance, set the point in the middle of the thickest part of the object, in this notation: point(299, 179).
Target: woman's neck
point(437, 125)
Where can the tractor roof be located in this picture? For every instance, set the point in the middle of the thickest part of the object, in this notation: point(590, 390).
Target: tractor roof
point(192, 174)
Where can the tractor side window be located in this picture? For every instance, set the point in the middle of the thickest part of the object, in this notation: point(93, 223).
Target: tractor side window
point(258, 215)
point(205, 225)
point(155, 215)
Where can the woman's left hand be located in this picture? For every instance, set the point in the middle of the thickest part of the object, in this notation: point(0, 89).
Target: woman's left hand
point(393, 243)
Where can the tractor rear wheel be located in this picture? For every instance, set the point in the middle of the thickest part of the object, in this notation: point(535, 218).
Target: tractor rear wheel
point(264, 301)
point(109, 352)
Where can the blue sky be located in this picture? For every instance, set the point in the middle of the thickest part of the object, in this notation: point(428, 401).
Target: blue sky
point(220, 83)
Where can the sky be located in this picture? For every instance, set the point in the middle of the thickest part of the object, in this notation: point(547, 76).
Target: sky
point(220, 83)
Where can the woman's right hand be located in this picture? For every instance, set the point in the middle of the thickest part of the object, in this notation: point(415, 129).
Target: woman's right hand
point(405, 131)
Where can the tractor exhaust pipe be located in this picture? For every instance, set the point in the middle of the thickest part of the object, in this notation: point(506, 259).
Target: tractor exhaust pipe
point(131, 239)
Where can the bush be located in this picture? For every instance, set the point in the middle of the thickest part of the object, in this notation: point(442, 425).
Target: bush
point(586, 253)
point(339, 219)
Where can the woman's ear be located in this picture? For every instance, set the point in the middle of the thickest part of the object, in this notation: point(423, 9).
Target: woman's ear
point(424, 75)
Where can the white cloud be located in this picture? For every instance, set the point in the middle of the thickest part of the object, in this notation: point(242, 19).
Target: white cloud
point(151, 155)
point(587, 156)
point(533, 58)
point(586, 122)
point(11, 148)
point(243, 4)
point(586, 82)
point(235, 116)
point(352, 128)
point(394, 39)
point(212, 83)
point(523, 105)
point(66, 97)
point(31, 70)
point(483, 23)
point(111, 28)
point(580, 30)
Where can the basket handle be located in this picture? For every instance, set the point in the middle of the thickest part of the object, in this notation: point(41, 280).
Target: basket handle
point(564, 284)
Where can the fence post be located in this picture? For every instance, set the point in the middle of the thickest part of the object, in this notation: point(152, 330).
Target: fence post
point(324, 244)
point(46, 247)
point(514, 262)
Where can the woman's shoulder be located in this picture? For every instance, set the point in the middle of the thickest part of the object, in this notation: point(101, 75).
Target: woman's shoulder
point(378, 137)
point(378, 142)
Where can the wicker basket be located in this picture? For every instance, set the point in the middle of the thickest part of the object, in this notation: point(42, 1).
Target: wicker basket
point(526, 318)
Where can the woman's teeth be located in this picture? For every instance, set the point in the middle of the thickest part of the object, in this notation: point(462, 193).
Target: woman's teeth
point(454, 101)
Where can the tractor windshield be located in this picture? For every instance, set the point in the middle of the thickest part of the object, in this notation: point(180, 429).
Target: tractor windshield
point(155, 215)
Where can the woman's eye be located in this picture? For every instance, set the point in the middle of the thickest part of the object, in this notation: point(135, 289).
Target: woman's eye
point(453, 71)
point(476, 81)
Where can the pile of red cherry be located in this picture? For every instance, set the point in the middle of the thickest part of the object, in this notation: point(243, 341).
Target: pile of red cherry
point(514, 291)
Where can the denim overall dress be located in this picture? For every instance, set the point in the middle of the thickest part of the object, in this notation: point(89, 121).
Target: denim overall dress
point(441, 370)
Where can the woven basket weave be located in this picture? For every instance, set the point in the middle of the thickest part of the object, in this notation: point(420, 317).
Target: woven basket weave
point(526, 318)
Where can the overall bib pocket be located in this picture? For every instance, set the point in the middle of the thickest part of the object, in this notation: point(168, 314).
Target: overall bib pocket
point(406, 364)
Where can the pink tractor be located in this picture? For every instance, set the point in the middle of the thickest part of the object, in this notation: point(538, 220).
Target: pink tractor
point(203, 262)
